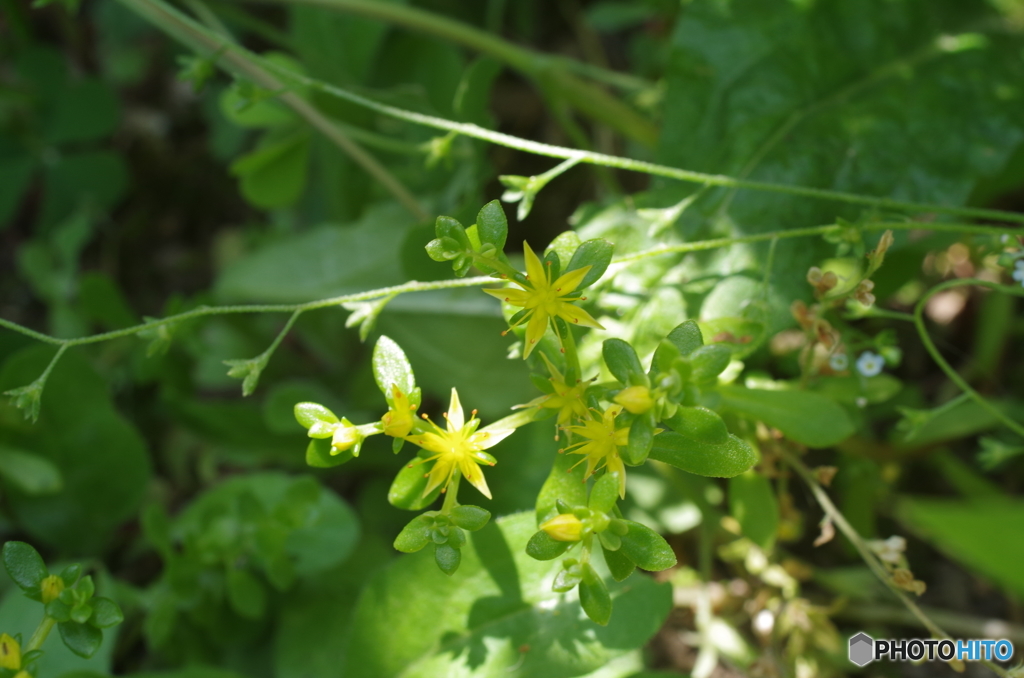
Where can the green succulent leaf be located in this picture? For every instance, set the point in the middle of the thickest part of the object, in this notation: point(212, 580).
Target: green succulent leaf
point(392, 367)
point(544, 547)
point(415, 535)
point(621, 360)
point(594, 596)
point(470, 517)
point(805, 417)
point(597, 254)
point(24, 565)
point(647, 548)
point(82, 639)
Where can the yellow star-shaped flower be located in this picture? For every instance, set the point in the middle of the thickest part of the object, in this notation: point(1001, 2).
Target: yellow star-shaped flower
point(544, 299)
point(602, 445)
point(458, 446)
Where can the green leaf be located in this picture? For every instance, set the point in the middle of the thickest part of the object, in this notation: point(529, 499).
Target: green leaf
point(106, 613)
point(470, 518)
point(565, 483)
point(82, 111)
point(619, 564)
point(447, 558)
point(310, 414)
point(500, 600)
point(308, 265)
point(543, 546)
point(597, 254)
point(594, 596)
point(392, 368)
point(604, 493)
point(274, 175)
point(406, 490)
point(240, 108)
point(24, 565)
point(492, 225)
point(622, 361)
point(564, 245)
point(701, 444)
point(686, 337)
point(641, 438)
point(319, 454)
point(30, 473)
point(448, 228)
point(804, 417)
point(247, 595)
point(708, 362)
point(248, 371)
point(81, 639)
point(415, 535)
point(647, 548)
point(70, 574)
point(752, 503)
point(977, 534)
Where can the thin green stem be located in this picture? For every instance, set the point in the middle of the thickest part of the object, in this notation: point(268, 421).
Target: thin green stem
point(865, 552)
point(413, 286)
point(228, 53)
point(451, 493)
point(590, 157)
point(284, 331)
point(953, 375)
point(40, 634)
point(715, 243)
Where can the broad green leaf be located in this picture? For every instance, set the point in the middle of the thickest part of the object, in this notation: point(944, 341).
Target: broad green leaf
point(740, 335)
point(751, 90)
point(621, 360)
point(406, 490)
point(597, 254)
point(415, 535)
point(594, 597)
point(268, 112)
point(565, 483)
point(319, 454)
point(686, 337)
point(24, 565)
point(470, 518)
point(82, 639)
point(392, 368)
point(619, 564)
point(805, 417)
point(309, 414)
point(475, 622)
point(641, 437)
point(708, 362)
point(704, 451)
point(81, 433)
point(977, 534)
point(274, 175)
point(752, 503)
point(564, 245)
point(83, 111)
point(647, 548)
point(447, 558)
point(543, 546)
point(849, 390)
point(247, 595)
point(492, 225)
point(106, 613)
point(319, 263)
point(30, 473)
point(605, 493)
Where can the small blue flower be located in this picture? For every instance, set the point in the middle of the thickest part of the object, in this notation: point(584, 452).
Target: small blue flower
point(870, 364)
point(1018, 271)
point(839, 362)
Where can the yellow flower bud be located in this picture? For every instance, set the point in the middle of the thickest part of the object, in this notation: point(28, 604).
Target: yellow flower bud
point(51, 587)
point(636, 399)
point(563, 527)
point(10, 653)
point(398, 421)
point(345, 436)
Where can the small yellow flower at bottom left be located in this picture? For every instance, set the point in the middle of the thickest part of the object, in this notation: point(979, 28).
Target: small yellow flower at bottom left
point(10, 653)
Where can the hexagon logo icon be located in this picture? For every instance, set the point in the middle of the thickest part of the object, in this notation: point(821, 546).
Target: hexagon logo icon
point(862, 649)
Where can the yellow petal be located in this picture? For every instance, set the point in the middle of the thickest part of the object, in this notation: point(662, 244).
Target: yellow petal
point(615, 465)
point(571, 280)
point(486, 438)
point(578, 316)
point(432, 443)
point(10, 653)
point(535, 330)
point(510, 295)
point(475, 476)
point(456, 418)
point(438, 475)
point(534, 267)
